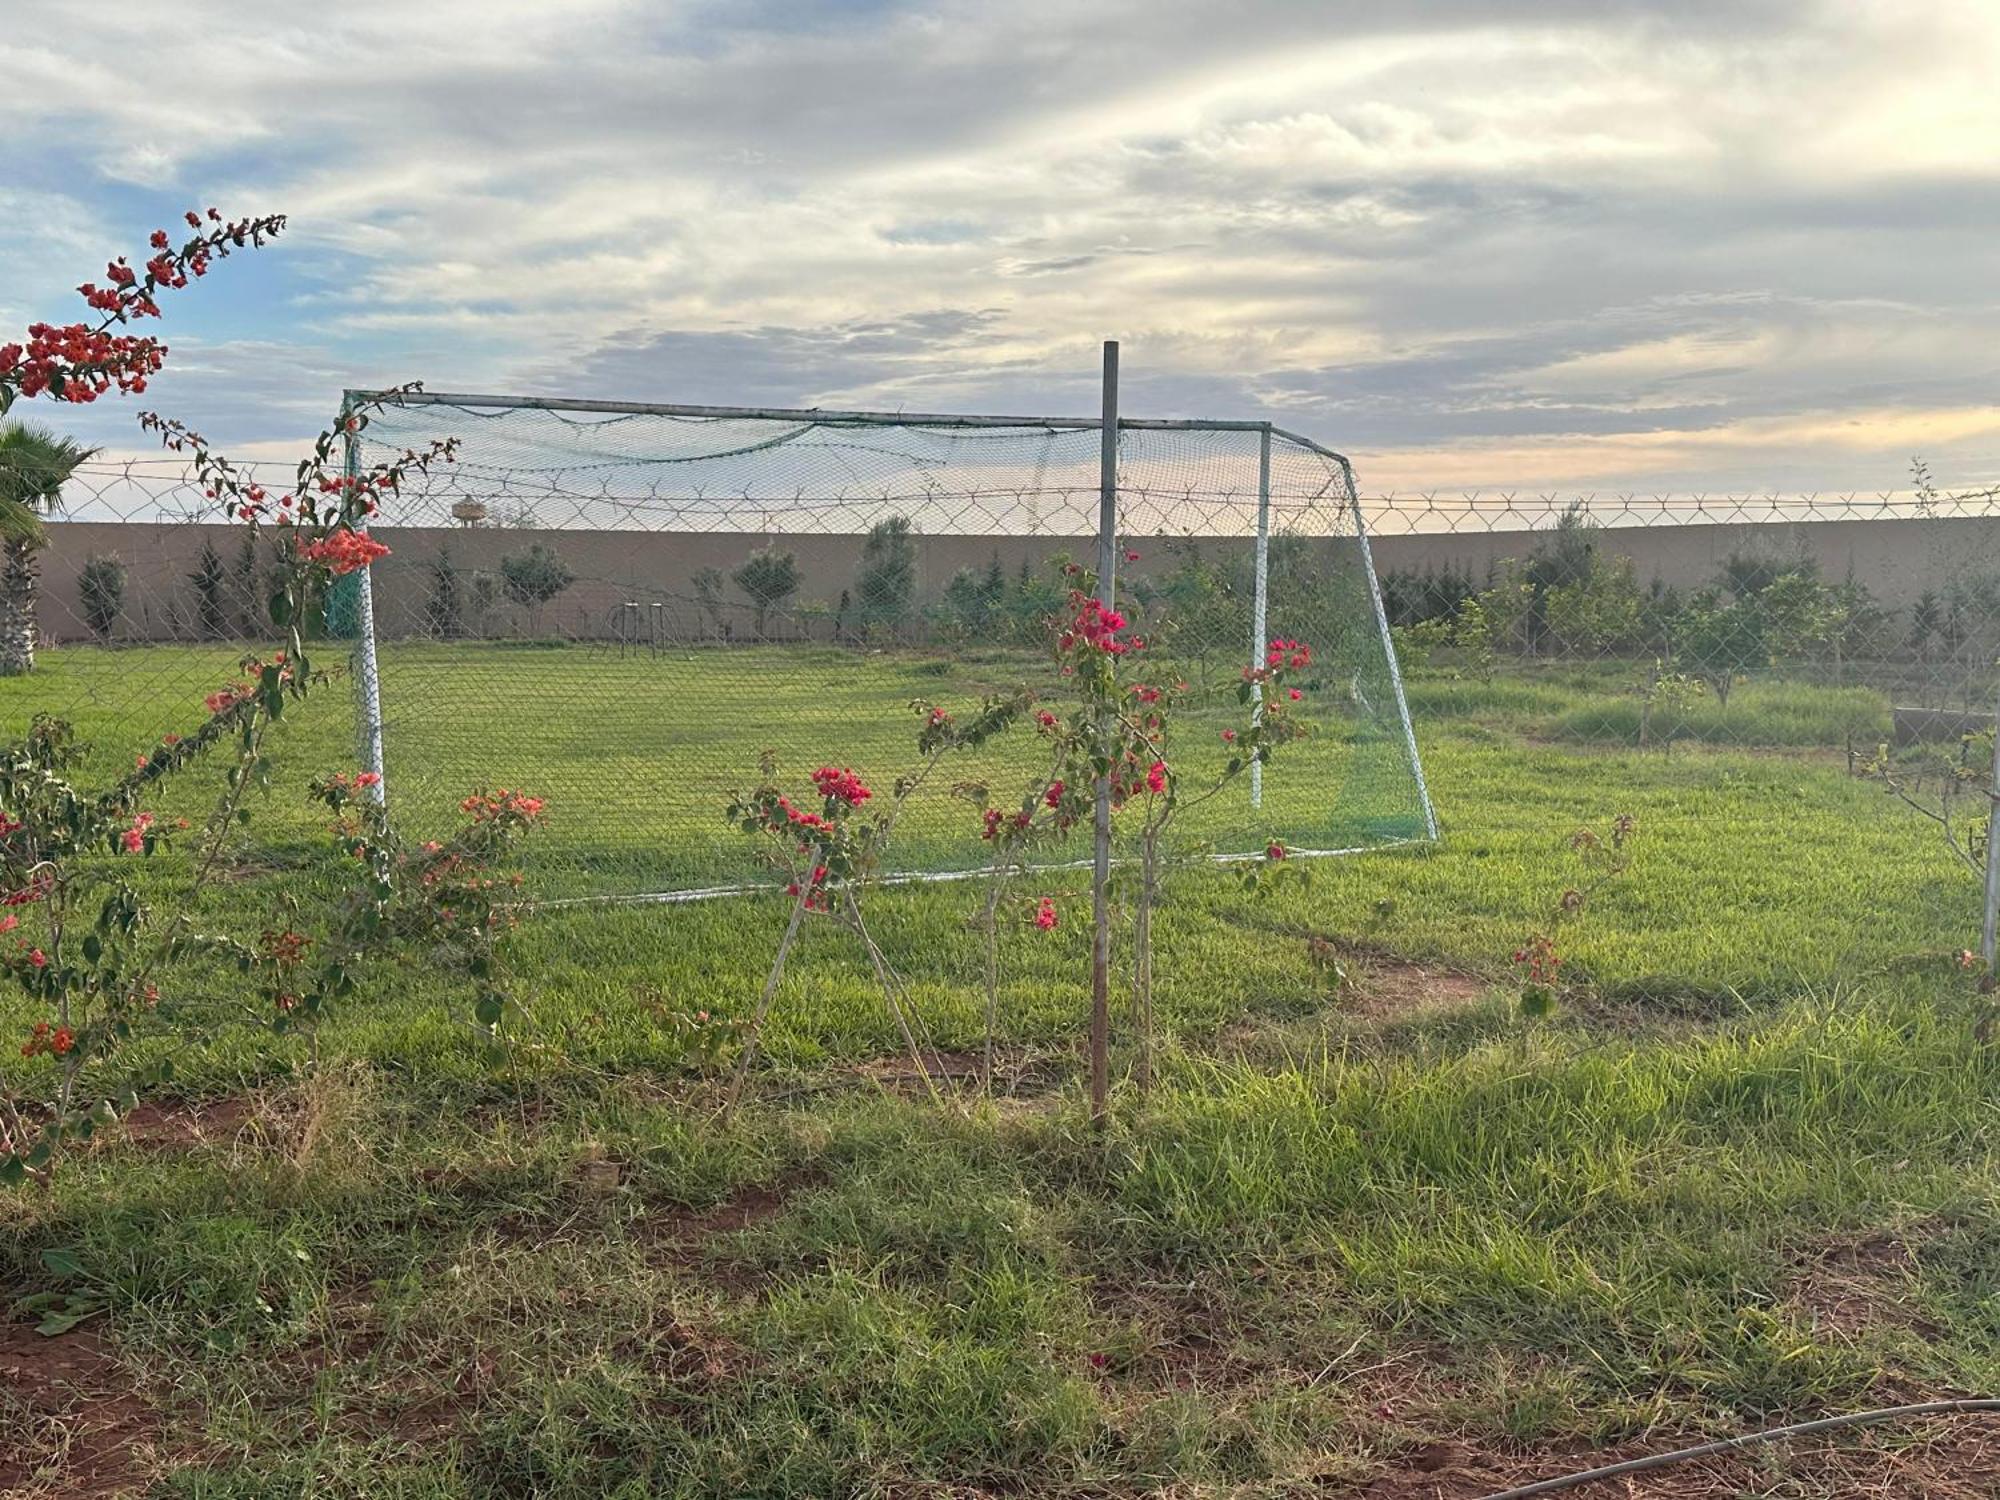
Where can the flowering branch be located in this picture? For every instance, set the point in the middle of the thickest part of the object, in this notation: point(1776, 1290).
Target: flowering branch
point(78, 362)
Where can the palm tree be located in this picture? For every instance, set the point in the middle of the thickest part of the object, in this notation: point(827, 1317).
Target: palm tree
point(34, 465)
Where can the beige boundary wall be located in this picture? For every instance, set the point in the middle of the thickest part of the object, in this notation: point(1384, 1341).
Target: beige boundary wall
point(1898, 559)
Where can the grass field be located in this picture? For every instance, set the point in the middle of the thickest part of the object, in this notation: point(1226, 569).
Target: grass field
point(1374, 1235)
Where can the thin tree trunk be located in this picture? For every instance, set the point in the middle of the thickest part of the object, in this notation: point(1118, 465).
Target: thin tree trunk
point(19, 584)
point(755, 1032)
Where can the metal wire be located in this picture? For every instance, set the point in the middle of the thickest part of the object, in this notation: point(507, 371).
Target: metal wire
point(1737, 1444)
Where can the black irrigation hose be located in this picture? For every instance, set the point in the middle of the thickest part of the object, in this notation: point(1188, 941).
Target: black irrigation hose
point(1731, 1445)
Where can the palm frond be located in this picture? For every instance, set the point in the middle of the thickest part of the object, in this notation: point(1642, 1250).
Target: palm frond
point(35, 464)
point(20, 525)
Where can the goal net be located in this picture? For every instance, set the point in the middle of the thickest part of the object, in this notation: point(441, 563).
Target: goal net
point(622, 609)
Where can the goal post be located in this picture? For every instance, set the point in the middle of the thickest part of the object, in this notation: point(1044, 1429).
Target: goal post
point(624, 606)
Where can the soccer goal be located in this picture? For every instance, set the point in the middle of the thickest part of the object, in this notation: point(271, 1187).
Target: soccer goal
point(622, 607)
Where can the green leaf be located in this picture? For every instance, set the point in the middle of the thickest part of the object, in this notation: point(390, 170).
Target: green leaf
point(78, 1309)
point(60, 1262)
point(93, 949)
point(489, 1008)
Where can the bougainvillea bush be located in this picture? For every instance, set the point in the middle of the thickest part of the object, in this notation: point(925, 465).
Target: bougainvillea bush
point(1119, 729)
point(1109, 730)
point(106, 959)
point(828, 851)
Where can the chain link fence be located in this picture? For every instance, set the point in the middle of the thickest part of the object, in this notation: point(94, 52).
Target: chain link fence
point(622, 610)
point(1835, 623)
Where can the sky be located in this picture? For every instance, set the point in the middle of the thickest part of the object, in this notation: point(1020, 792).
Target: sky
point(1711, 245)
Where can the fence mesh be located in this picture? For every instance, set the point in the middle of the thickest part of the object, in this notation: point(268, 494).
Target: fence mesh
point(1814, 628)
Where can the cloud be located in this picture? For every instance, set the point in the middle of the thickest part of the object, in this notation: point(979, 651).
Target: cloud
point(1577, 238)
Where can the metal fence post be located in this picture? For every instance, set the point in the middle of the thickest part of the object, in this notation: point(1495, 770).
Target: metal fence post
point(368, 673)
point(1259, 611)
point(1100, 900)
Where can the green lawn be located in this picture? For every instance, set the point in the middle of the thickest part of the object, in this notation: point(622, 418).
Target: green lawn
point(1374, 1231)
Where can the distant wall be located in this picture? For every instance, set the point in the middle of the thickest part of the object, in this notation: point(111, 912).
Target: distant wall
point(1897, 559)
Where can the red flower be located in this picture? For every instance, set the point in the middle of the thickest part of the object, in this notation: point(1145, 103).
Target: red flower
point(9, 922)
point(1054, 794)
point(1046, 719)
point(1045, 915)
point(1275, 851)
point(1131, 557)
point(840, 786)
point(1156, 777)
point(38, 958)
point(1296, 695)
point(344, 551)
point(368, 778)
point(1228, 736)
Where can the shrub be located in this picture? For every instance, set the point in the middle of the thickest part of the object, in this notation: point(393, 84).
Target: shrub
point(768, 578)
point(534, 577)
point(210, 614)
point(888, 578)
point(100, 587)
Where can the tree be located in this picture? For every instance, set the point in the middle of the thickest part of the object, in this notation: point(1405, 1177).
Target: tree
point(249, 593)
point(444, 615)
point(888, 577)
point(973, 600)
point(100, 587)
point(485, 594)
point(1722, 640)
point(211, 619)
point(768, 578)
point(34, 465)
point(708, 594)
point(534, 577)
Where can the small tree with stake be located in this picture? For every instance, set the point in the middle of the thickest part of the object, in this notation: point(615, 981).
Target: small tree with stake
point(768, 578)
point(534, 577)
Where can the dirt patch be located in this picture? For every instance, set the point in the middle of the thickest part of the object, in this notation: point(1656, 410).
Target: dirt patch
point(1018, 1072)
point(1393, 987)
point(75, 1426)
point(1379, 983)
point(180, 1126)
point(1853, 1284)
point(1185, 1337)
point(684, 1237)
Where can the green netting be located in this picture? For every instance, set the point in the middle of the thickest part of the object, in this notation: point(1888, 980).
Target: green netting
point(623, 610)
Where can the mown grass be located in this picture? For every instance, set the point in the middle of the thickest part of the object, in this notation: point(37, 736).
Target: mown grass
point(1333, 1238)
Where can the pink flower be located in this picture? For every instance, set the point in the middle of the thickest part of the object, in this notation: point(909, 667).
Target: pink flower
point(38, 958)
point(1275, 851)
point(1296, 695)
point(1228, 736)
point(1045, 915)
point(368, 778)
point(1156, 777)
point(1054, 794)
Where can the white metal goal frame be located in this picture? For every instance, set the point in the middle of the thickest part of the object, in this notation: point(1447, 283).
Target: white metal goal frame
point(1113, 426)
